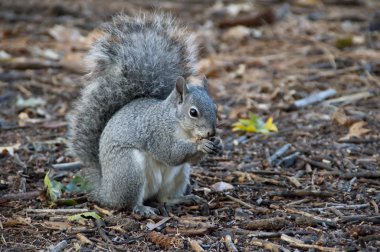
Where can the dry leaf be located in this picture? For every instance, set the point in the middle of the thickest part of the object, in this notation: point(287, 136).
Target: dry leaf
point(57, 225)
point(357, 130)
point(340, 117)
point(83, 239)
point(17, 221)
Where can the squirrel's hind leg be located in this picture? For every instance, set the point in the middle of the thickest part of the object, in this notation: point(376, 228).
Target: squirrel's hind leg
point(176, 180)
point(123, 179)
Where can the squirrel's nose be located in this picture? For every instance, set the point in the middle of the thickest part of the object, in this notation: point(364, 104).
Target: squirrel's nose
point(211, 132)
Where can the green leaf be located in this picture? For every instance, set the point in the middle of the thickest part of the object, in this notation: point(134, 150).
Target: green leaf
point(54, 188)
point(255, 124)
point(83, 216)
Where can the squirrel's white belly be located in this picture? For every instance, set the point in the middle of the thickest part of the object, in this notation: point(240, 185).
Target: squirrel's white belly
point(162, 182)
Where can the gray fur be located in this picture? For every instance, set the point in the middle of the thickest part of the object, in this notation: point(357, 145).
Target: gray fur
point(130, 118)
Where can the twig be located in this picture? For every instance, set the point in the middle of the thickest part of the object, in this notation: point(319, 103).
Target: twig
point(30, 64)
point(314, 98)
point(187, 231)
point(57, 211)
point(229, 244)
point(294, 181)
point(275, 223)
point(59, 247)
point(375, 206)
point(264, 234)
point(268, 245)
point(367, 238)
point(316, 163)
point(278, 223)
point(239, 201)
point(100, 224)
point(318, 219)
point(279, 153)
point(83, 239)
point(300, 244)
point(301, 193)
point(360, 206)
point(68, 166)
point(20, 196)
point(359, 140)
point(349, 98)
point(359, 218)
point(288, 161)
point(332, 73)
point(195, 246)
point(156, 225)
point(365, 174)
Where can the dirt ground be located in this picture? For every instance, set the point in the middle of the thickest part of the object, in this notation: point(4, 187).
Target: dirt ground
point(320, 192)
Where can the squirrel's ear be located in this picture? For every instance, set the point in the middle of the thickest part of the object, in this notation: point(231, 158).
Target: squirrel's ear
point(181, 88)
point(205, 82)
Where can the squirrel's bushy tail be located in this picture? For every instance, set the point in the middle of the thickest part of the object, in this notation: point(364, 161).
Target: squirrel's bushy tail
point(137, 57)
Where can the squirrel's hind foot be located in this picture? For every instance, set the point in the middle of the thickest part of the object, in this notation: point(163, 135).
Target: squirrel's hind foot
point(145, 211)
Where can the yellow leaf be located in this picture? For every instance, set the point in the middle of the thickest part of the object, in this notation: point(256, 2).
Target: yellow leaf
point(255, 125)
point(269, 125)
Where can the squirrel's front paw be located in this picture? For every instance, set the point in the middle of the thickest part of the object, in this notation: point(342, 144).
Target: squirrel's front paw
point(145, 211)
point(211, 146)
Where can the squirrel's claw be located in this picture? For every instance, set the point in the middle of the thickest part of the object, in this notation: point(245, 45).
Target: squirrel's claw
point(145, 211)
point(212, 146)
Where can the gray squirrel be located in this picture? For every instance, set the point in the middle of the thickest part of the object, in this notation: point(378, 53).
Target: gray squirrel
point(144, 114)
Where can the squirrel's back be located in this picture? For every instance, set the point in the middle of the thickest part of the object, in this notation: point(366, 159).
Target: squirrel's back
point(136, 57)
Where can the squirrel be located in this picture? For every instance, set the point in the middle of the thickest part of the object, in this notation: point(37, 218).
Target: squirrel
point(144, 114)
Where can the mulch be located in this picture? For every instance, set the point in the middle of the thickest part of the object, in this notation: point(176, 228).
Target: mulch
point(311, 186)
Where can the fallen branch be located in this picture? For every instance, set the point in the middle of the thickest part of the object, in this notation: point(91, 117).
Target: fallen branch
point(300, 244)
point(311, 99)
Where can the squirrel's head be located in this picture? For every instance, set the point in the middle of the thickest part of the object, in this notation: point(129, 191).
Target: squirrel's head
point(195, 110)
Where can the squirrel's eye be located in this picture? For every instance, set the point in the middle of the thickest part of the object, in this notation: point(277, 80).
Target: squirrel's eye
point(193, 112)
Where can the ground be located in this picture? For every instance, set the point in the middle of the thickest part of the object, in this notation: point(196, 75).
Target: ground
point(320, 194)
